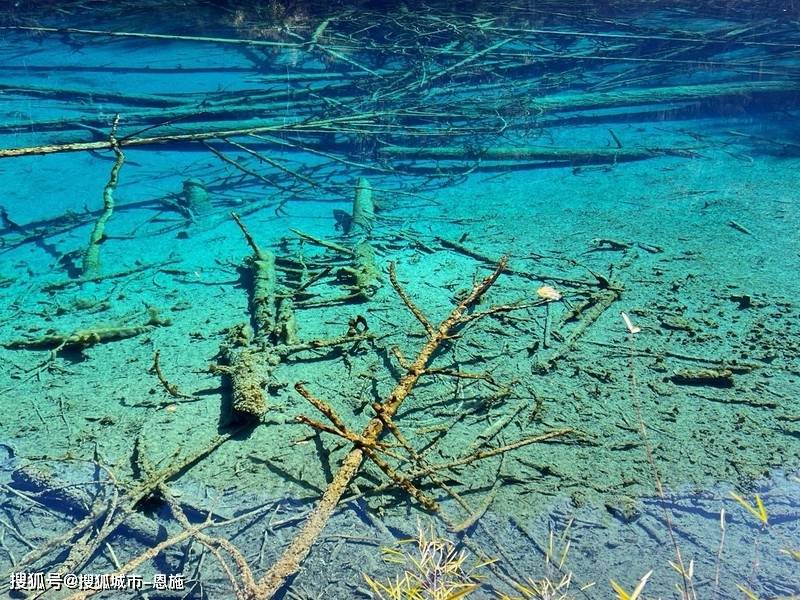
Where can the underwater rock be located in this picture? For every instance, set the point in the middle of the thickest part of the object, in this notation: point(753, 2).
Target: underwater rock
point(743, 300)
point(624, 508)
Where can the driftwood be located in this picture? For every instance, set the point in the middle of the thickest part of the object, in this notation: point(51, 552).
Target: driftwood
point(213, 113)
point(600, 302)
point(249, 375)
point(89, 94)
point(363, 217)
point(445, 48)
point(285, 331)
point(457, 246)
point(263, 301)
point(66, 283)
point(251, 356)
point(170, 388)
point(364, 271)
point(151, 36)
point(721, 378)
point(662, 95)
point(207, 132)
point(323, 243)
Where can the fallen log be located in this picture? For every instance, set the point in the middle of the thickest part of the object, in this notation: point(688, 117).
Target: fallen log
point(532, 153)
point(152, 36)
point(68, 94)
point(363, 209)
point(363, 269)
point(660, 95)
point(289, 562)
point(300, 124)
point(88, 337)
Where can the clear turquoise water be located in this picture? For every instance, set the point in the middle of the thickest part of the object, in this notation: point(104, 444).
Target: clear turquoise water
point(638, 160)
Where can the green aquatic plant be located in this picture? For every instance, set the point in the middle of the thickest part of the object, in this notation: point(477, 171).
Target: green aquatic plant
point(637, 591)
point(557, 580)
point(795, 554)
point(747, 592)
point(758, 511)
point(434, 570)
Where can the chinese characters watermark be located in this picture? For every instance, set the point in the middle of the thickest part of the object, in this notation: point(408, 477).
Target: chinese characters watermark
point(39, 581)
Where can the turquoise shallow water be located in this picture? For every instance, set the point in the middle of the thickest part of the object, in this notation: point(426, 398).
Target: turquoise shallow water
point(181, 385)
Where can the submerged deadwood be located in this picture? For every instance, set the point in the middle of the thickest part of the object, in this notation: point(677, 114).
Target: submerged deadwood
point(248, 368)
point(363, 270)
point(91, 258)
point(91, 335)
point(363, 208)
point(289, 562)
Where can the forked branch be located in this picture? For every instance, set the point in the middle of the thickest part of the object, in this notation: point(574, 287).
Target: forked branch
point(289, 562)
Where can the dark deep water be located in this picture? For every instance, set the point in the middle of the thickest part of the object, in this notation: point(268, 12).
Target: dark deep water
point(180, 386)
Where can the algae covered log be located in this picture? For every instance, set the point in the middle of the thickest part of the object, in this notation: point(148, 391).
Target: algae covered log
point(263, 305)
point(511, 153)
point(661, 95)
point(363, 269)
point(286, 325)
point(90, 336)
point(248, 378)
point(721, 378)
point(247, 374)
point(363, 208)
point(250, 364)
point(91, 258)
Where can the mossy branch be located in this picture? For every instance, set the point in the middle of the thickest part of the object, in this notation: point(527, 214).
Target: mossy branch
point(90, 336)
point(289, 562)
point(91, 258)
